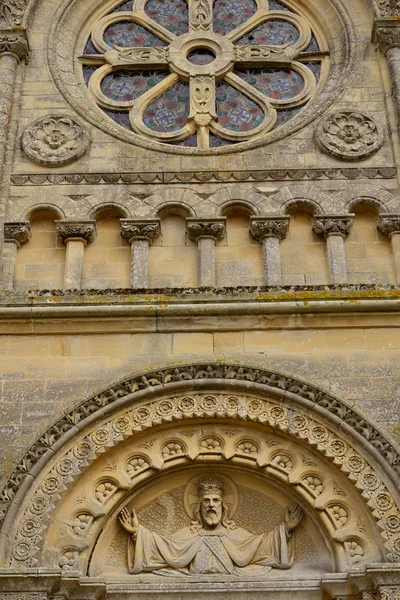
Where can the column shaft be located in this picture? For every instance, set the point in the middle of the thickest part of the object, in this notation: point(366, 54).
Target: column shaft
point(73, 264)
point(395, 240)
point(139, 263)
point(8, 66)
point(336, 258)
point(272, 261)
point(393, 59)
point(8, 266)
point(206, 262)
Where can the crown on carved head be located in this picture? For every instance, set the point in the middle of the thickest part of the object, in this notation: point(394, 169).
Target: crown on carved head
point(210, 486)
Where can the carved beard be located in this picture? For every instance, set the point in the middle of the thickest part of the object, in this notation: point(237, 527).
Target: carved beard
point(211, 517)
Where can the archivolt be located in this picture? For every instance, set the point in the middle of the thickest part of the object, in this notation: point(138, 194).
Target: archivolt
point(272, 401)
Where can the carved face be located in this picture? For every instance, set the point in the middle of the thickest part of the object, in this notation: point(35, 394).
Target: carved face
point(211, 509)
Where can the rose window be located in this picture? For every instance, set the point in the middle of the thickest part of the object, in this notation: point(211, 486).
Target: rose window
point(202, 73)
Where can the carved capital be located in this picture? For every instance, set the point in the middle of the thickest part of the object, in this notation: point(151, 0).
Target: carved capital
point(333, 225)
point(14, 41)
point(389, 8)
point(386, 34)
point(206, 228)
point(390, 593)
point(140, 229)
point(18, 232)
point(82, 230)
point(263, 227)
point(389, 224)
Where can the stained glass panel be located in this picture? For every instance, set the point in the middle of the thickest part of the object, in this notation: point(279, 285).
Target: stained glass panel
point(171, 14)
point(87, 72)
point(127, 34)
point(280, 84)
point(190, 142)
point(124, 86)
point(313, 45)
point(121, 117)
point(229, 14)
point(272, 33)
point(315, 67)
point(89, 48)
point(235, 111)
point(216, 141)
point(125, 6)
point(283, 116)
point(170, 111)
point(275, 5)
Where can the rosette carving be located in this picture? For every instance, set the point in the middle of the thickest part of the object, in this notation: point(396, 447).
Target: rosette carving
point(263, 227)
point(18, 232)
point(211, 228)
point(333, 225)
point(349, 135)
point(85, 230)
point(143, 229)
point(55, 140)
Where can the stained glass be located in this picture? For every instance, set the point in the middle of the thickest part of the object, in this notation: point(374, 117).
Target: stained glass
point(190, 142)
point(216, 141)
point(170, 111)
point(87, 72)
point(275, 5)
point(89, 48)
point(201, 56)
point(121, 117)
point(315, 68)
point(229, 14)
point(280, 84)
point(273, 33)
point(313, 45)
point(125, 6)
point(128, 34)
point(124, 86)
point(283, 116)
point(235, 111)
point(171, 14)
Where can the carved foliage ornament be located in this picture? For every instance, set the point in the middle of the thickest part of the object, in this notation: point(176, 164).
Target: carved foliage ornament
point(18, 232)
point(349, 135)
point(333, 225)
point(85, 230)
point(14, 42)
point(386, 34)
point(55, 140)
point(389, 224)
point(212, 228)
point(389, 8)
point(11, 12)
point(262, 228)
point(146, 229)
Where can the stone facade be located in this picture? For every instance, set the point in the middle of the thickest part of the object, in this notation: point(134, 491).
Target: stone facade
point(210, 302)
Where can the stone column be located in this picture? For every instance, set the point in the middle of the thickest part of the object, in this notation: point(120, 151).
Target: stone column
point(15, 235)
point(269, 231)
point(386, 35)
point(75, 235)
point(389, 225)
point(206, 232)
point(334, 228)
point(140, 233)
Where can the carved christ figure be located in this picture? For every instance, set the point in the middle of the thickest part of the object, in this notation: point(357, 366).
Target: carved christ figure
point(213, 544)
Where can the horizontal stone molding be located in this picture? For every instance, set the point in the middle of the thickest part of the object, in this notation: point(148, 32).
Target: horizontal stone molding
point(351, 173)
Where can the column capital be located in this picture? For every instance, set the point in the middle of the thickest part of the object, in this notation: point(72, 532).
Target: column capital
point(84, 230)
point(275, 226)
point(386, 33)
point(388, 8)
point(140, 229)
point(14, 41)
point(388, 224)
point(17, 232)
point(333, 224)
point(198, 228)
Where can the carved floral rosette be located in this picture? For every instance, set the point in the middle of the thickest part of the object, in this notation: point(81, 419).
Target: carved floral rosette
point(278, 458)
point(349, 135)
point(55, 140)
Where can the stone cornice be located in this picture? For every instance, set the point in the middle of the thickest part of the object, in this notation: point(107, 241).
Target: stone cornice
point(389, 224)
point(353, 173)
point(140, 229)
point(206, 228)
point(15, 42)
point(72, 230)
point(386, 34)
point(273, 226)
point(333, 224)
point(17, 232)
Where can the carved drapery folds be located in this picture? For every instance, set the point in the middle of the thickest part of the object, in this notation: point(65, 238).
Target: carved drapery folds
point(349, 135)
point(15, 235)
point(75, 235)
point(389, 226)
point(334, 228)
point(269, 231)
point(140, 233)
point(206, 232)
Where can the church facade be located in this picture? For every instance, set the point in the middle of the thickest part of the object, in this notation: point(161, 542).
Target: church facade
point(199, 299)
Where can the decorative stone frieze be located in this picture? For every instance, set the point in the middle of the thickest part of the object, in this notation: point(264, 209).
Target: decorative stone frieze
point(206, 228)
point(327, 225)
point(55, 140)
point(389, 8)
point(140, 233)
point(18, 232)
point(206, 232)
point(72, 230)
point(272, 226)
point(349, 135)
point(14, 42)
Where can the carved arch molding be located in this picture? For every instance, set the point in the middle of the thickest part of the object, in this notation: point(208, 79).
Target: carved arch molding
point(147, 435)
